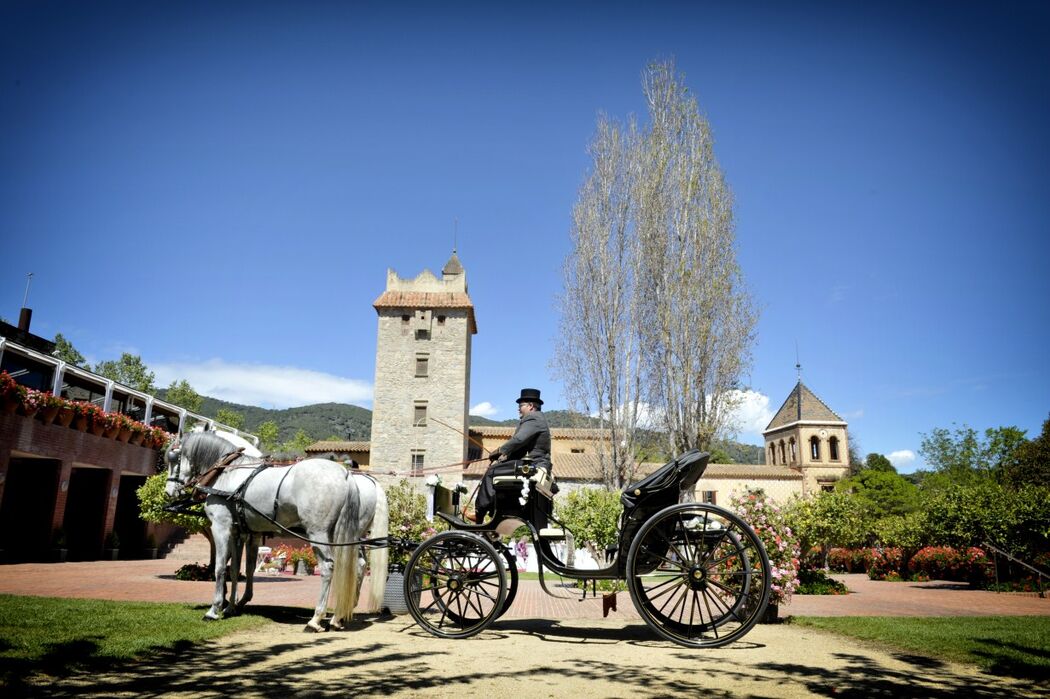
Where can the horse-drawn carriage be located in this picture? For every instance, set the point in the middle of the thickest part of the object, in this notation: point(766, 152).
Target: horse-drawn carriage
point(697, 573)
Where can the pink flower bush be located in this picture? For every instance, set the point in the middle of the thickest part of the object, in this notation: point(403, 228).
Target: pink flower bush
point(782, 546)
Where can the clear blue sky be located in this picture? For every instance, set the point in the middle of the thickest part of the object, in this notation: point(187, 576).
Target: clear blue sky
point(221, 189)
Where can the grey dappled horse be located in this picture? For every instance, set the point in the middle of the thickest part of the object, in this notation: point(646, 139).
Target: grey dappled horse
point(318, 497)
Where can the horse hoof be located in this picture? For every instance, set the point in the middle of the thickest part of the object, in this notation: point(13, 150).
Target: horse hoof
point(313, 627)
point(209, 617)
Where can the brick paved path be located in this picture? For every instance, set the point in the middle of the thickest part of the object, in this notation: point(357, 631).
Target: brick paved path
point(154, 581)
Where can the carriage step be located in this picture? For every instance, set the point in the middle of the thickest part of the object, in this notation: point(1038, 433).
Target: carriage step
point(552, 534)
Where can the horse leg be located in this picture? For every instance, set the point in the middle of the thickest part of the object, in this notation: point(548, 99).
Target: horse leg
point(235, 572)
point(324, 559)
point(251, 555)
point(222, 552)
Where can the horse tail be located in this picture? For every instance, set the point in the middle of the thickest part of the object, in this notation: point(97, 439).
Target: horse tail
point(344, 575)
point(379, 558)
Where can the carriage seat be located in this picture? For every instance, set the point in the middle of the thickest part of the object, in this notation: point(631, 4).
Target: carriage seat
point(541, 479)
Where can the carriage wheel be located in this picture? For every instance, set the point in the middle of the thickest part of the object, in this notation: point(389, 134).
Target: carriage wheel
point(512, 584)
point(698, 575)
point(455, 584)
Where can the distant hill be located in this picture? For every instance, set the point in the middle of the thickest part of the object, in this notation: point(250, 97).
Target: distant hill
point(354, 423)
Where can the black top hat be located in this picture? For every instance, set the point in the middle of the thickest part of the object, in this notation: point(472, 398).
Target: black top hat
point(530, 395)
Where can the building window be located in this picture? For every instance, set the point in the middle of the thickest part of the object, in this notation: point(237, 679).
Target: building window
point(441, 320)
point(576, 450)
point(772, 454)
point(404, 319)
point(710, 497)
point(418, 459)
point(422, 365)
point(419, 415)
point(814, 448)
point(827, 487)
point(833, 448)
point(794, 453)
point(422, 334)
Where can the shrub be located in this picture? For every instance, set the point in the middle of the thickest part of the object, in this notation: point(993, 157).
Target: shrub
point(886, 564)
point(782, 546)
point(193, 571)
point(861, 560)
point(840, 560)
point(947, 563)
point(408, 518)
point(816, 582)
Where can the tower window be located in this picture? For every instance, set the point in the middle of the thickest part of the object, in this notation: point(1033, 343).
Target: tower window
point(422, 334)
point(833, 448)
point(422, 365)
point(418, 460)
point(814, 448)
point(783, 458)
point(419, 415)
point(794, 453)
point(772, 454)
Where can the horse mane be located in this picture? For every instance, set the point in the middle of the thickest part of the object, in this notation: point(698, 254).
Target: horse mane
point(203, 449)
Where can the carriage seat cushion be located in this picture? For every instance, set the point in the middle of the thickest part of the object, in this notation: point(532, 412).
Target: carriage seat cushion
point(541, 479)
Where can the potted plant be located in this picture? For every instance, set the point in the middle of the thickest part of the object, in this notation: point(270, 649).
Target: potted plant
point(151, 546)
point(85, 413)
point(303, 560)
point(32, 401)
point(51, 404)
point(111, 546)
point(58, 544)
point(138, 431)
point(12, 393)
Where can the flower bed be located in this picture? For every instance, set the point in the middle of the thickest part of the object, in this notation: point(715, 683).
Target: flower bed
point(947, 563)
point(781, 544)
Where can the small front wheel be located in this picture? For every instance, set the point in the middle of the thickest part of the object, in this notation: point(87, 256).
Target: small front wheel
point(455, 584)
point(698, 575)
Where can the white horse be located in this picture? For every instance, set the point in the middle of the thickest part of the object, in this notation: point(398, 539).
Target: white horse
point(319, 498)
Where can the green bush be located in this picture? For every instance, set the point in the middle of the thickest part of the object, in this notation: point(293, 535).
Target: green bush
point(817, 582)
point(886, 564)
point(947, 563)
point(592, 515)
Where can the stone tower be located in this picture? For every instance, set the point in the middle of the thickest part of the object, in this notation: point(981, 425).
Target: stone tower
point(807, 435)
point(422, 382)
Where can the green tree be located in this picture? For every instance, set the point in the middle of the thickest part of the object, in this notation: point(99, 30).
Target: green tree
point(592, 515)
point(269, 435)
point(231, 418)
point(153, 499)
point(965, 456)
point(182, 394)
point(65, 351)
point(1032, 463)
point(408, 517)
point(883, 493)
point(878, 462)
point(128, 370)
point(830, 519)
point(298, 443)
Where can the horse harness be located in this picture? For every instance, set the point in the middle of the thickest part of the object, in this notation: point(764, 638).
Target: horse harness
point(203, 486)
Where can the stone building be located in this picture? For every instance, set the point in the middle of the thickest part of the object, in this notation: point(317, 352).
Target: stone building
point(422, 379)
point(807, 435)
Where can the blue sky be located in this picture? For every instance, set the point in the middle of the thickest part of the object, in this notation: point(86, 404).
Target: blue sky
point(222, 189)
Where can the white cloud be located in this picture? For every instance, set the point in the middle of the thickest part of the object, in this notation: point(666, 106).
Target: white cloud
point(484, 409)
point(263, 385)
point(901, 458)
point(752, 414)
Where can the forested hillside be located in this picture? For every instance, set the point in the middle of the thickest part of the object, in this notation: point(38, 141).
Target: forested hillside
point(354, 423)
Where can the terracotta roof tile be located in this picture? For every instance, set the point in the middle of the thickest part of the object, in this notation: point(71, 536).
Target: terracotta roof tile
point(320, 447)
point(428, 299)
point(802, 404)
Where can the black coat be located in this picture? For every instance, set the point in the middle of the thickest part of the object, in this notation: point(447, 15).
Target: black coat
point(532, 439)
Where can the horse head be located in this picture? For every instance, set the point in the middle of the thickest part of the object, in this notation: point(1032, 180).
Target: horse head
point(192, 454)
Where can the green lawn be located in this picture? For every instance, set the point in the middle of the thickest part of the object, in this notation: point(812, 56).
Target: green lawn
point(1004, 645)
point(51, 635)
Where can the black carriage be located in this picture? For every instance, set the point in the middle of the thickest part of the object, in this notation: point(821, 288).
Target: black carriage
point(697, 574)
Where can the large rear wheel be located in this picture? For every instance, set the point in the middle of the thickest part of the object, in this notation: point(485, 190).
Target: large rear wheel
point(698, 575)
point(455, 584)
